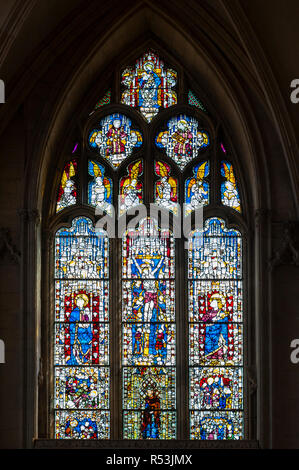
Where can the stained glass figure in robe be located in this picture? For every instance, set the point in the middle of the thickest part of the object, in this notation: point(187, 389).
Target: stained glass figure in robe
point(115, 139)
point(182, 141)
point(131, 187)
point(82, 387)
point(67, 194)
point(215, 253)
point(166, 188)
point(148, 333)
point(100, 189)
point(229, 191)
point(215, 332)
point(149, 86)
point(197, 188)
point(81, 348)
point(138, 380)
point(82, 425)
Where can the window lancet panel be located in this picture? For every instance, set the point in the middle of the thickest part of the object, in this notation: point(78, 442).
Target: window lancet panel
point(81, 332)
point(100, 188)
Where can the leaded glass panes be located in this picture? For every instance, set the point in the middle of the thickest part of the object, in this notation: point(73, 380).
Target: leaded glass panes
point(115, 139)
point(67, 193)
point(75, 424)
point(148, 333)
point(229, 191)
point(166, 188)
point(217, 425)
point(100, 188)
point(197, 188)
point(177, 165)
point(149, 86)
point(183, 139)
point(131, 187)
point(215, 293)
point(81, 333)
point(194, 101)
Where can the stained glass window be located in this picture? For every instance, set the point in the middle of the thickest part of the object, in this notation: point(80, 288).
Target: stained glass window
point(197, 188)
point(215, 292)
point(115, 139)
point(149, 86)
point(183, 140)
point(229, 191)
point(166, 188)
point(67, 194)
point(148, 334)
point(135, 301)
point(81, 331)
point(100, 188)
point(102, 102)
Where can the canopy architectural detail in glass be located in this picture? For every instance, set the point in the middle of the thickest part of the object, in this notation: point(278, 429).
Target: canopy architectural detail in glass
point(115, 140)
point(182, 141)
point(149, 86)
